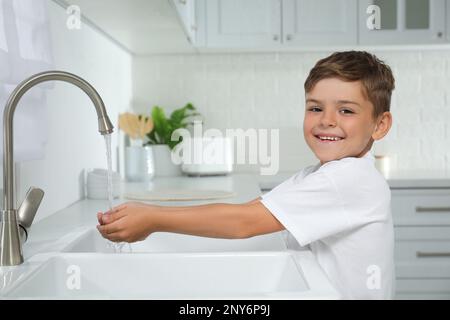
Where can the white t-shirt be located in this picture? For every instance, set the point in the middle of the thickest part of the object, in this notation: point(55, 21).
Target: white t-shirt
point(342, 211)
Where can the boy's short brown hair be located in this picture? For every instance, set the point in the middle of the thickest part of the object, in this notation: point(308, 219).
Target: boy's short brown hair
point(375, 76)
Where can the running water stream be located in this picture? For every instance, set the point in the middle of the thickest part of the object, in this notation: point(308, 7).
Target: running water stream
point(109, 159)
point(115, 246)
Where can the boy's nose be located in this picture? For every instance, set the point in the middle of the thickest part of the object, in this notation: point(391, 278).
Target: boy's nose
point(328, 119)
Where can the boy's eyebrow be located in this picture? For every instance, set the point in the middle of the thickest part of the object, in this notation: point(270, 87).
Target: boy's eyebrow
point(348, 102)
point(336, 102)
point(314, 100)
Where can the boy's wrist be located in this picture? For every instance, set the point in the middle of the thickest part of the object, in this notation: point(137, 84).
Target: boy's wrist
point(153, 218)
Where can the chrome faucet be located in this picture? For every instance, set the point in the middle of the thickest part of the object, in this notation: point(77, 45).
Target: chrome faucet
point(10, 234)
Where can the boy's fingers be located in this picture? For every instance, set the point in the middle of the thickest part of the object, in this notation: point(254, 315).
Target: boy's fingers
point(115, 236)
point(102, 231)
point(107, 229)
point(110, 216)
point(120, 207)
point(117, 209)
point(99, 217)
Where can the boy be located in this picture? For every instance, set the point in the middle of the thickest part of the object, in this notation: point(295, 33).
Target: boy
point(339, 207)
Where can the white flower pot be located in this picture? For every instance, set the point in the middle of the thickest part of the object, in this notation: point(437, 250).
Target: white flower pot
point(164, 166)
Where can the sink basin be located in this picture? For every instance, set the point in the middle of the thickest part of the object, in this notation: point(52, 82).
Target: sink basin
point(244, 275)
point(92, 241)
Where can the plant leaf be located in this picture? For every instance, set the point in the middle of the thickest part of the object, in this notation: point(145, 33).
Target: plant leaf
point(163, 127)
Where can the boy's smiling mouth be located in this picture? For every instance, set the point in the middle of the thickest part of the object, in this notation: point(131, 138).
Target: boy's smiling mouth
point(328, 138)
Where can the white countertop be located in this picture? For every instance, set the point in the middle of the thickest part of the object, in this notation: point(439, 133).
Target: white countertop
point(52, 234)
point(418, 179)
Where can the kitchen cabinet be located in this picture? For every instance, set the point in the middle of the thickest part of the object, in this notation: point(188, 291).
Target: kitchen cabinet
point(422, 242)
point(280, 23)
point(402, 22)
point(245, 24)
point(299, 24)
point(320, 22)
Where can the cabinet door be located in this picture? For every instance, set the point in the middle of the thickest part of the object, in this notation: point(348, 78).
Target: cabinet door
point(243, 24)
point(422, 289)
point(401, 21)
point(420, 207)
point(422, 252)
point(319, 22)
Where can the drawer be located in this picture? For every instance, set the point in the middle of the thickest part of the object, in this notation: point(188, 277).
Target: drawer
point(422, 296)
point(422, 270)
point(422, 286)
point(421, 207)
point(422, 252)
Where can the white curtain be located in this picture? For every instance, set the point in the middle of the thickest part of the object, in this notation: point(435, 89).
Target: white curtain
point(25, 49)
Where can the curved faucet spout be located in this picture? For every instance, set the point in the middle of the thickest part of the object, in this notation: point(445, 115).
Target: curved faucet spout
point(104, 124)
point(8, 252)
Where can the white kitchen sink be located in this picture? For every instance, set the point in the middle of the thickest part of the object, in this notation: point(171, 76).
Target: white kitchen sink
point(92, 241)
point(244, 275)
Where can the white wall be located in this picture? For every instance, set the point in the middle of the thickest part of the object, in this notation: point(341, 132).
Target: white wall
point(74, 141)
point(266, 91)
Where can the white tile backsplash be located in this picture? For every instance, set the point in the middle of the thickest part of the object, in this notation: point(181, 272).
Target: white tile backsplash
point(265, 90)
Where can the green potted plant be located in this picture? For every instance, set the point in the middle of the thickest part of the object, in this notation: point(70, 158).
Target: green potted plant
point(159, 138)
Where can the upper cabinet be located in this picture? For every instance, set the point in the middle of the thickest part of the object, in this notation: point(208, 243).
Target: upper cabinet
point(401, 21)
point(291, 24)
point(275, 23)
point(246, 24)
point(319, 22)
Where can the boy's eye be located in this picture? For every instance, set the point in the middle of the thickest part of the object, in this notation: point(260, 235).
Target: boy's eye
point(347, 111)
point(314, 109)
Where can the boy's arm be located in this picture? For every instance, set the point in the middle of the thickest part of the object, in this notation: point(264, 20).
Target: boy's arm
point(232, 221)
point(168, 208)
point(131, 222)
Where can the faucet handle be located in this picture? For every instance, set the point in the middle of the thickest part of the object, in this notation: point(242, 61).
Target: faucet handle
point(28, 208)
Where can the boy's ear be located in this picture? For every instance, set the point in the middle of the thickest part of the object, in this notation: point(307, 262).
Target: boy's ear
point(384, 123)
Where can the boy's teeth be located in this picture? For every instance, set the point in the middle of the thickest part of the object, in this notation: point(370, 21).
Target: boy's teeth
point(329, 138)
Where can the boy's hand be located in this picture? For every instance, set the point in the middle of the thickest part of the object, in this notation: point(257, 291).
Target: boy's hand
point(128, 222)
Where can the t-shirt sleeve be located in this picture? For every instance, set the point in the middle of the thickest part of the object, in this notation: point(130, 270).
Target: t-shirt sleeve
point(310, 209)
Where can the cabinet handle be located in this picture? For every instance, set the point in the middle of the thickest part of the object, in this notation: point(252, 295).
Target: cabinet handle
point(275, 38)
point(440, 34)
point(182, 1)
point(289, 37)
point(432, 209)
point(421, 254)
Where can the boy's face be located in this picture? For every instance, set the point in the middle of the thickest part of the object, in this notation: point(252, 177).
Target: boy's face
point(338, 110)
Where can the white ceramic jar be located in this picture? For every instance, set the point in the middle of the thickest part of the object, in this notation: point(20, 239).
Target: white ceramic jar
point(139, 163)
